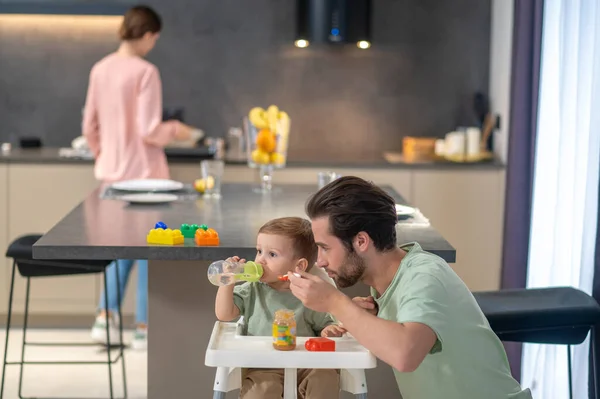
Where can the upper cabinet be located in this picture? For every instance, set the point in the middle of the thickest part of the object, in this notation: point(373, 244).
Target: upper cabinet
point(65, 7)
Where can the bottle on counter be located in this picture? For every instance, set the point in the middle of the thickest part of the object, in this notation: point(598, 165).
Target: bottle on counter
point(284, 330)
point(227, 272)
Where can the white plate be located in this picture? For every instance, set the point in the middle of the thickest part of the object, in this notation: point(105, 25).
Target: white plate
point(148, 185)
point(403, 210)
point(151, 198)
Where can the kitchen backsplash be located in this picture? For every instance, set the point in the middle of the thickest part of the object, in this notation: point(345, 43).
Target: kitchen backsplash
point(218, 59)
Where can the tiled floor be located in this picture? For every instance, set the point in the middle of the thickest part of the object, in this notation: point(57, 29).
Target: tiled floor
point(70, 381)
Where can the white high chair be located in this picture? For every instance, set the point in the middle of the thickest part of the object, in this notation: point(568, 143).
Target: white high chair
point(230, 351)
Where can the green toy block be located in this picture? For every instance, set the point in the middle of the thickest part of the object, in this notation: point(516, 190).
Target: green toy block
point(204, 227)
point(189, 231)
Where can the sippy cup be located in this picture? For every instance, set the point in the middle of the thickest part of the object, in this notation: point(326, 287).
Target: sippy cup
point(227, 272)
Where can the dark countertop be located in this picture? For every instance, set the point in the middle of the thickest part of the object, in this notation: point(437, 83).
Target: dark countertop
point(48, 155)
point(51, 156)
point(112, 229)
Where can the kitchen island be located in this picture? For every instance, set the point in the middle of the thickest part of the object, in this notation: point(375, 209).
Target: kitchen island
point(181, 299)
point(465, 203)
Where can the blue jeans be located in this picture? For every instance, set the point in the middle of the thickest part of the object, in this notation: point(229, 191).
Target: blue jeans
point(141, 302)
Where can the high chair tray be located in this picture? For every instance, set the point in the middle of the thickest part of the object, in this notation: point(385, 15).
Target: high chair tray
point(227, 348)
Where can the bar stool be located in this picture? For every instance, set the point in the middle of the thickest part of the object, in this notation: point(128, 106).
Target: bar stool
point(20, 250)
point(557, 315)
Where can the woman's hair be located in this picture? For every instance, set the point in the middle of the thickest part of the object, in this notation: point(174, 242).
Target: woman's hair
point(299, 231)
point(138, 21)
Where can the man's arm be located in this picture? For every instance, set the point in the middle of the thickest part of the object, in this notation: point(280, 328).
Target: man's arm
point(401, 345)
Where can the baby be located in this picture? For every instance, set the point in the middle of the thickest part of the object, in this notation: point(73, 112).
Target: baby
point(282, 245)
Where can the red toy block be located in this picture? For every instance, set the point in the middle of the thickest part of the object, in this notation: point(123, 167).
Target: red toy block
point(320, 344)
point(285, 277)
point(207, 238)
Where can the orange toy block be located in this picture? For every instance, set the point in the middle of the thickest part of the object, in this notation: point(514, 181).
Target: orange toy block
point(320, 344)
point(207, 238)
point(165, 237)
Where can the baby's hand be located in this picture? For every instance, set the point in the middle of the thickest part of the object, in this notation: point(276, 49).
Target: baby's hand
point(368, 303)
point(333, 330)
point(228, 267)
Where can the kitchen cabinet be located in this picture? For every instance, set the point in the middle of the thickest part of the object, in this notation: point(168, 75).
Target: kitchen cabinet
point(38, 197)
point(467, 208)
point(3, 235)
point(465, 205)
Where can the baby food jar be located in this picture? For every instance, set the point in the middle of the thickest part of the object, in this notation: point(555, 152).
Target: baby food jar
point(284, 330)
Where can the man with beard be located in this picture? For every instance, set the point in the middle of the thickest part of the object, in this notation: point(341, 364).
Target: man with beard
point(420, 318)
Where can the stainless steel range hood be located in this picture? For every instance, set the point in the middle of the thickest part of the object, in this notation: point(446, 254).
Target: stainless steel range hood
point(333, 22)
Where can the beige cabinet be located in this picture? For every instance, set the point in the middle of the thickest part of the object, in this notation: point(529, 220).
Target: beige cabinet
point(3, 235)
point(38, 197)
point(467, 208)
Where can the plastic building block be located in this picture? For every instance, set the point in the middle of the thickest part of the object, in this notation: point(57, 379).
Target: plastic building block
point(285, 277)
point(207, 238)
point(165, 236)
point(160, 225)
point(189, 230)
point(204, 227)
point(320, 344)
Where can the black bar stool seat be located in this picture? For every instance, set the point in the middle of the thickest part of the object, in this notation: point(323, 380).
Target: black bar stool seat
point(555, 315)
point(21, 250)
point(558, 315)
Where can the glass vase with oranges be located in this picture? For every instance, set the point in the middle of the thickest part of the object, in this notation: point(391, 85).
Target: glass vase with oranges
point(267, 137)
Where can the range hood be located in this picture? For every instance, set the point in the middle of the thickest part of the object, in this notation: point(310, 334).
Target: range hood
point(333, 22)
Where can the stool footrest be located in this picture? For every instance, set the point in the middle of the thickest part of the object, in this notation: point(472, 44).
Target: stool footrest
point(65, 362)
point(62, 362)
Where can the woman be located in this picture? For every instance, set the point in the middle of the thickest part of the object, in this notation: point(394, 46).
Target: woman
point(123, 126)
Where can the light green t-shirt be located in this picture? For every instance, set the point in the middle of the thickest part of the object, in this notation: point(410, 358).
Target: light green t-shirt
point(468, 361)
point(258, 303)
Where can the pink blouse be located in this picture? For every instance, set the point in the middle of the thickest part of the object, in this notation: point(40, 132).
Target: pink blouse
point(122, 120)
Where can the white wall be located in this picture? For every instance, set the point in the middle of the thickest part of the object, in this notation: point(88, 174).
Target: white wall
point(500, 67)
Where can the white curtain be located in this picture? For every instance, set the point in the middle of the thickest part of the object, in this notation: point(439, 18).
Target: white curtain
point(565, 196)
point(565, 193)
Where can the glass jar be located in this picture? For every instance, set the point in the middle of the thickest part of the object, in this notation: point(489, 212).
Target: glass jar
point(284, 330)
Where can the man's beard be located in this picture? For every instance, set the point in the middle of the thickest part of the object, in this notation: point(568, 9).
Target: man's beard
point(351, 272)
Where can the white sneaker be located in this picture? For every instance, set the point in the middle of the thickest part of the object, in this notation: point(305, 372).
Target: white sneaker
point(140, 339)
point(99, 330)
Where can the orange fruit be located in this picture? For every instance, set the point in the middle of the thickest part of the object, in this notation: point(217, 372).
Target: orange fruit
point(265, 141)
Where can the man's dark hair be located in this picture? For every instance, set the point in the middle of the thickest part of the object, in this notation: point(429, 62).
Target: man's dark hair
point(354, 205)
